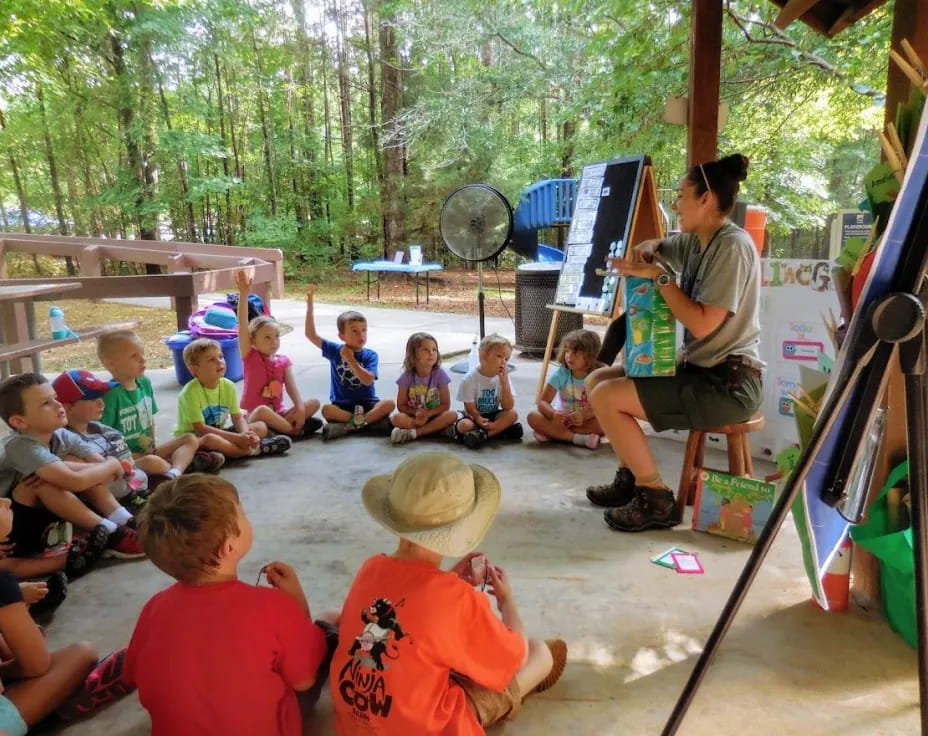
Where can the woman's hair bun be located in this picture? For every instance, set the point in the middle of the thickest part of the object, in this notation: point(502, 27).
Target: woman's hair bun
point(735, 166)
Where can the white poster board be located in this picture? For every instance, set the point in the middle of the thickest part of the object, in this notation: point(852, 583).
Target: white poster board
point(794, 295)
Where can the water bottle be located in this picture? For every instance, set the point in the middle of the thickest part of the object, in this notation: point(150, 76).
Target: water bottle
point(474, 357)
point(59, 329)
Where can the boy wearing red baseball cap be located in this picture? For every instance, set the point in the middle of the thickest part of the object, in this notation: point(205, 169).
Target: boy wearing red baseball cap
point(81, 393)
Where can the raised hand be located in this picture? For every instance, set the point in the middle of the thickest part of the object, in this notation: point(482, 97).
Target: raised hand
point(243, 282)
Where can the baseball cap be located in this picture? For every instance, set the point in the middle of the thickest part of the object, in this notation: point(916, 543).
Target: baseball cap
point(78, 385)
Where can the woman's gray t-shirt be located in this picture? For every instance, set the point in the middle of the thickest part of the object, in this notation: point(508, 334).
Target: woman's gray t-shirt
point(726, 274)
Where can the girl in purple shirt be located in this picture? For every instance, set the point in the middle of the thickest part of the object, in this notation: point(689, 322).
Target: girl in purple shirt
point(423, 399)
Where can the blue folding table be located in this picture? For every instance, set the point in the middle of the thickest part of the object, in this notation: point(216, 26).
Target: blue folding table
point(379, 267)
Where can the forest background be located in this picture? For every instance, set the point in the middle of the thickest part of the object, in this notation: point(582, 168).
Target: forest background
point(334, 129)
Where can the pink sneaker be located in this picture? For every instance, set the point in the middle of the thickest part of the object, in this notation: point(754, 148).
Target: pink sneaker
point(539, 437)
point(102, 686)
point(124, 544)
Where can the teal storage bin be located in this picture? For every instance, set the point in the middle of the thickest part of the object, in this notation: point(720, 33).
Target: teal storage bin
point(177, 343)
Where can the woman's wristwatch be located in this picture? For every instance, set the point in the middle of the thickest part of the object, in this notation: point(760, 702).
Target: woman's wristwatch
point(665, 279)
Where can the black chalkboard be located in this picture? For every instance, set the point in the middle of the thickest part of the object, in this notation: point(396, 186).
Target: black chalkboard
point(604, 210)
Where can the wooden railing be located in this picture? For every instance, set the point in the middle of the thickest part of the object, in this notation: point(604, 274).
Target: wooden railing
point(192, 268)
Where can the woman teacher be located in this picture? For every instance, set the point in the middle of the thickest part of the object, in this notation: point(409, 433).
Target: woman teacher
point(717, 379)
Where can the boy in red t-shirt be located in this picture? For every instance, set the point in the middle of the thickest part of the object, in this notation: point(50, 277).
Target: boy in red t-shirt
point(420, 651)
point(211, 654)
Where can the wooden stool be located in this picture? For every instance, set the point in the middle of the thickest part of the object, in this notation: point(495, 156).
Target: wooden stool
point(739, 455)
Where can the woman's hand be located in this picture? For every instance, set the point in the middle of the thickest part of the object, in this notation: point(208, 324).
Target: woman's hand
point(630, 268)
point(644, 252)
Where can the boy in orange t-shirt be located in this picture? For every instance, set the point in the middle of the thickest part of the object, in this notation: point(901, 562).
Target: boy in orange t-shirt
point(420, 651)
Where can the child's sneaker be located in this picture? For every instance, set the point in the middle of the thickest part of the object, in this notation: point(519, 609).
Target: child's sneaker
point(57, 584)
point(475, 438)
point(276, 445)
point(401, 436)
point(592, 441)
point(541, 438)
point(334, 430)
point(449, 432)
point(382, 427)
point(84, 553)
point(207, 461)
point(124, 544)
point(310, 427)
point(135, 501)
point(96, 541)
point(101, 687)
point(512, 432)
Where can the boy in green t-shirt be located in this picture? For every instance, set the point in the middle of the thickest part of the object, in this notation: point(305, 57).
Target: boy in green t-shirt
point(130, 407)
point(208, 402)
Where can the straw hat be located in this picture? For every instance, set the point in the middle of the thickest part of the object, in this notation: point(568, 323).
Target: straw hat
point(435, 500)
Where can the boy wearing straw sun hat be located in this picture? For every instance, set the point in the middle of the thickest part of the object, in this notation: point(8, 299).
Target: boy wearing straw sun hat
point(420, 651)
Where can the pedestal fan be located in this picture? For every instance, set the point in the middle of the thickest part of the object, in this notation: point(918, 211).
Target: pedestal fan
point(475, 223)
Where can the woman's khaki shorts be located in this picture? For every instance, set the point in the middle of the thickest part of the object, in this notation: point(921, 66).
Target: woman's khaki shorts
point(698, 398)
point(488, 705)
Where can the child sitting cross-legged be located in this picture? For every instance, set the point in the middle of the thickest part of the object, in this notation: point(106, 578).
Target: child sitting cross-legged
point(423, 399)
point(489, 402)
point(268, 374)
point(130, 407)
point(355, 405)
point(52, 475)
point(36, 681)
point(564, 412)
point(208, 403)
point(81, 394)
point(212, 654)
point(419, 649)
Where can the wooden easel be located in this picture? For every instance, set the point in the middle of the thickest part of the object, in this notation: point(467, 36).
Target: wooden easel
point(646, 224)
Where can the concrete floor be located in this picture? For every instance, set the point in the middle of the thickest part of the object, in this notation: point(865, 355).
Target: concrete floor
point(633, 628)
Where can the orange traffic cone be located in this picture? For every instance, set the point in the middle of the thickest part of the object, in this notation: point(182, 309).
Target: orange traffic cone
point(836, 582)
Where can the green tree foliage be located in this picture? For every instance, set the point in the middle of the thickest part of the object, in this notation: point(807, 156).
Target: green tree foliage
point(226, 120)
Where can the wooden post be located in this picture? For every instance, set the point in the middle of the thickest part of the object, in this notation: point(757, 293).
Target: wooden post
point(910, 22)
point(702, 131)
point(4, 271)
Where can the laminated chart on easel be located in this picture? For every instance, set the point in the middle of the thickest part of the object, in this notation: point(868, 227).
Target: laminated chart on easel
point(616, 206)
point(603, 215)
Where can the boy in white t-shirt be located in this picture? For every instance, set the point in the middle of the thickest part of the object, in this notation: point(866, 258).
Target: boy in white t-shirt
point(489, 404)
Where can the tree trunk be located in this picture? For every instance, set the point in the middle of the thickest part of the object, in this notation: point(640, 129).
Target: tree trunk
point(96, 223)
point(544, 120)
point(147, 229)
point(296, 179)
point(189, 217)
point(327, 113)
point(237, 216)
point(567, 153)
point(220, 104)
point(372, 91)
point(146, 98)
point(18, 183)
point(344, 97)
point(53, 176)
point(265, 128)
point(391, 100)
point(305, 77)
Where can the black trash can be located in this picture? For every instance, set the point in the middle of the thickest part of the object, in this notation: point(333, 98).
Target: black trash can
point(536, 285)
